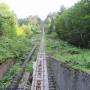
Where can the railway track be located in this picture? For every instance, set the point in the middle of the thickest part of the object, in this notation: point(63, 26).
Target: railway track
point(42, 76)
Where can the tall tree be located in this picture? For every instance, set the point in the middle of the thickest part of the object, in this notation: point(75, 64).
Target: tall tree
point(7, 20)
point(73, 25)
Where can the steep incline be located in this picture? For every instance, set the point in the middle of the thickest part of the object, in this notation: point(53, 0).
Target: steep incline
point(40, 75)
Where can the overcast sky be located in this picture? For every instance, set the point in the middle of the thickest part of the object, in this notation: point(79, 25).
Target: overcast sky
point(24, 8)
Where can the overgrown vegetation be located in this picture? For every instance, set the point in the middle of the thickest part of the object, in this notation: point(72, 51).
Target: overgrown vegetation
point(67, 53)
point(70, 27)
point(73, 25)
point(7, 79)
point(50, 23)
point(11, 48)
point(7, 21)
point(16, 40)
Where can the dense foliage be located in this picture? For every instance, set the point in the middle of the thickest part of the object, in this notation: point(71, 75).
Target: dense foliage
point(73, 25)
point(17, 37)
point(7, 21)
point(64, 52)
point(32, 22)
point(15, 40)
point(49, 23)
point(23, 47)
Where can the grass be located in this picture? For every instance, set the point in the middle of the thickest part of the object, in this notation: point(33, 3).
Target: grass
point(19, 48)
point(11, 48)
point(67, 53)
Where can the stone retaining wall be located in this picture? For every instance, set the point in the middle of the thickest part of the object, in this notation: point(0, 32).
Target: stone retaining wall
point(67, 78)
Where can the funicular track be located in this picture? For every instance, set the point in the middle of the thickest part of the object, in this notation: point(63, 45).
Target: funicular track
point(41, 78)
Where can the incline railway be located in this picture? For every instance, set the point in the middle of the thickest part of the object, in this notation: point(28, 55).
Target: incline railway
point(42, 78)
point(42, 75)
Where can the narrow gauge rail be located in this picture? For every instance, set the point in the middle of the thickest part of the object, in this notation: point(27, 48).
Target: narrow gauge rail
point(40, 74)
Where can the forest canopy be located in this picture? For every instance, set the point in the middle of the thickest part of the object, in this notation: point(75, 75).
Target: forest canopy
point(73, 25)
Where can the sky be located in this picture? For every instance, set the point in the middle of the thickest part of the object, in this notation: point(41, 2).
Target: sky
point(25, 8)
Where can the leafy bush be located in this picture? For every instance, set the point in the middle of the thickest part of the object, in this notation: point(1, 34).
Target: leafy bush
point(7, 21)
point(24, 31)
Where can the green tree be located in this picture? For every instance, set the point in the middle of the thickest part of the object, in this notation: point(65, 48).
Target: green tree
point(73, 25)
point(7, 21)
point(50, 23)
